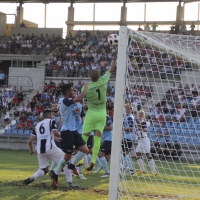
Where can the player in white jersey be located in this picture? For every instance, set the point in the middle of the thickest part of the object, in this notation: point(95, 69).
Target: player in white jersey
point(143, 145)
point(46, 148)
point(58, 141)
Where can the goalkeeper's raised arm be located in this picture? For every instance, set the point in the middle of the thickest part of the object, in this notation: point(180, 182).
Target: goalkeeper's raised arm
point(112, 66)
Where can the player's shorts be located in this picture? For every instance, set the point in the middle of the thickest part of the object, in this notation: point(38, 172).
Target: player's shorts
point(71, 139)
point(143, 145)
point(106, 147)
point(90, 141)
point(94, 120)
point(54, 154)
point(126, 144)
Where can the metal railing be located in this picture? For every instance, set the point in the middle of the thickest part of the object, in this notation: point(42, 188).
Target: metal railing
point(28, 84)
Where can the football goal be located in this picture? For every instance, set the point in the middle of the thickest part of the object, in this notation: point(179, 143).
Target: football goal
point(156, 127)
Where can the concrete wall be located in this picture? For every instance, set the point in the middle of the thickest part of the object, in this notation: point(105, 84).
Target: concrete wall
point(2, 24)
point(37, 75)
point(37, 31)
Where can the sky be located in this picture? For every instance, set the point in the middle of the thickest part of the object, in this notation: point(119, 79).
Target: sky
point(57, 13)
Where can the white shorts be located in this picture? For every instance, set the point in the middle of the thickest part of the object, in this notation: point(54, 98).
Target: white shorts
point(54, 154)
point(143, 145)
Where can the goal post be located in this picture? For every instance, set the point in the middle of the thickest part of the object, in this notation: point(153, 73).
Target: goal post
point(118, 110)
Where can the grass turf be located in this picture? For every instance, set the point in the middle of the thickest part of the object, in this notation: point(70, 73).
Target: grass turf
point(181, 182)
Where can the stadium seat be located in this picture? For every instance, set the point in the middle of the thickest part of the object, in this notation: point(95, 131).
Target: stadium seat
point(7, 131)
point(197, 121)
point(198, 132)
point(171, 130)
point(151, 129)
point(30, 131)
point(191, 127)
point(197, 127)
point(197, 141)
point(182, 140)
point(14, 131)
point(189, 141)
point(34, 118)
point(191, 121)
point(178, 126)
point(12, 127)
point(26, 132)
point(30, 117)
point(20, 131)
point(161, 139)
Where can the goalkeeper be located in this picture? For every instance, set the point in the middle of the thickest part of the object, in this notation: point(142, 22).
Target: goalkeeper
point(95, 119)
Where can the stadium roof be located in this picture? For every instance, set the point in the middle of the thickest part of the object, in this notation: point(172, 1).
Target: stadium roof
point(90, 1)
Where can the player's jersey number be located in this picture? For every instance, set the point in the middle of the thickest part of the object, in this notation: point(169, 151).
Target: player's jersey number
point(42, 129)
point(99, 94)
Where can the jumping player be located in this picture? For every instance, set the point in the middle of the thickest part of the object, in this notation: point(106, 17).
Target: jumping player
point(95, 118)
point(143, 145)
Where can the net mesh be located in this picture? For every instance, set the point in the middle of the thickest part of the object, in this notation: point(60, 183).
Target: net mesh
point(163, 80)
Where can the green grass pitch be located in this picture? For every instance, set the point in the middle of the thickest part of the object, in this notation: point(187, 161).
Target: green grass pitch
point(181, 182)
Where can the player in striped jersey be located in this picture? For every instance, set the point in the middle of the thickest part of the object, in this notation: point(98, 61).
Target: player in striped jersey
point(46, 148)
point(143, 145)
point(58, 141)
point(128, 139)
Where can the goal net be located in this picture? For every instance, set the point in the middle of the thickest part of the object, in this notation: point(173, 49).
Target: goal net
point(156, 153)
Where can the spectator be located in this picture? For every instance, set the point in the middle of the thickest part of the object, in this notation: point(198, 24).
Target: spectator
point(147, 28)
point(154, 26)
point(139, 28)
point(192, 27)
point(183, 28)
point(7, 118)
point(16, 113)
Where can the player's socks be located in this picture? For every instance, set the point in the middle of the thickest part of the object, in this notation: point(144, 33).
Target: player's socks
point(123, 160)
point(60, 166)
point(104, 164)
point(98, 162)
point(89, 158)
point(79, 168)
point(37, 174)
point(53, 164)
point(68, 174)
point(77, 157)
point(86, 160)
point(85, 137)
point(129, 163)
point(152, 165)
point(97, 144)
point(141, 164)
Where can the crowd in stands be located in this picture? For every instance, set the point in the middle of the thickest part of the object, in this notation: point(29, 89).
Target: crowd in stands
point(27, 44)
point(146, 61)
point(81, 53)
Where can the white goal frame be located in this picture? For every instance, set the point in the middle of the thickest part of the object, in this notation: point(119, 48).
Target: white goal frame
point(118, 110)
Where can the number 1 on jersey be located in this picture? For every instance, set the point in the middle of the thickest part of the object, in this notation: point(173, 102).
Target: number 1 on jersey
point(99, 94)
